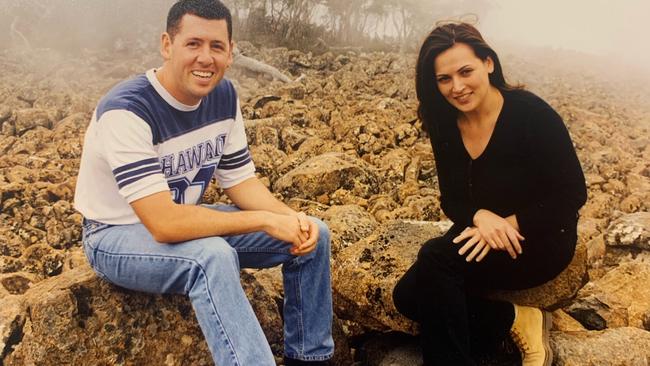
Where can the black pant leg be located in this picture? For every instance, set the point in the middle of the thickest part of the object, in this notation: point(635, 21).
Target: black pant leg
point(442, 305)
point(405, 295)
point(434, 292)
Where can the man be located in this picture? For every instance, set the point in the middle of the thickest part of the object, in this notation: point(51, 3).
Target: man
point(152, 147)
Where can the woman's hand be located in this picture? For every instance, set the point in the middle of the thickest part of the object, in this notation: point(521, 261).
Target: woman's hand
point(498, 232)
point(481, 248)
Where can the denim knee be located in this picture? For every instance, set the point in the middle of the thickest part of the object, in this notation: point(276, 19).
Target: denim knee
point(216, 252)
point(323, 233)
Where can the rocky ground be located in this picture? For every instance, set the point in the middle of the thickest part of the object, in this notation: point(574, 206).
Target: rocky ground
point(343, 143)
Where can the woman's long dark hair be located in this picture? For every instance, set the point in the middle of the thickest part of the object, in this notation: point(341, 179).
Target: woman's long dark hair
point(433, 107)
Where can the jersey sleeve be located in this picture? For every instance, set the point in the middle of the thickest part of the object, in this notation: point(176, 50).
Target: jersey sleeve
point(236, 164)
point(127, 146)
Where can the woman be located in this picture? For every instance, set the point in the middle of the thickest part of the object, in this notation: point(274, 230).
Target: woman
point(512, 184)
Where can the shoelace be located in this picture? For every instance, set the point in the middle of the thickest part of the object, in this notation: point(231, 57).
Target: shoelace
point(518, 339)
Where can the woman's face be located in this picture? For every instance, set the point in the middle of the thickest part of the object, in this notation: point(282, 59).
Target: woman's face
point(463, 78)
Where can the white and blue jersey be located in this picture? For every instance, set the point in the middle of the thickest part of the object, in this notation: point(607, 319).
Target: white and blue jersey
point(141, 141)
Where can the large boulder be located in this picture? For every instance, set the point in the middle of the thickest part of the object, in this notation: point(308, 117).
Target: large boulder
point(557, 292)
point(76, 318)
point(611, 347)
point(364, 274)
point(326, 173)
point(618, 299)
point(348, 224)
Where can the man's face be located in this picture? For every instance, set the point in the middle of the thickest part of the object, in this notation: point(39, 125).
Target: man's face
point(196, 59)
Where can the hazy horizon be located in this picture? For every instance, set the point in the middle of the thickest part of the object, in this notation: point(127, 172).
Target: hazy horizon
point(614, 31)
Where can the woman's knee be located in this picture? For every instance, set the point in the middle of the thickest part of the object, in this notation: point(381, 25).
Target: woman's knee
point(437, 248)
point(405, 295)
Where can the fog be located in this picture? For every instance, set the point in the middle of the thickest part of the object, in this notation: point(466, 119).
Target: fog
point(611, 34)
point(615, 32)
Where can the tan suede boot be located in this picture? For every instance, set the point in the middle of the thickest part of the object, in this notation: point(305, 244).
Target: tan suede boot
point(530, 331)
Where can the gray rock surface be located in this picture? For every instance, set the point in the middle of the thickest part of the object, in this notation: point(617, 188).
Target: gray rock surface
point(611, 347)
point(632, 231)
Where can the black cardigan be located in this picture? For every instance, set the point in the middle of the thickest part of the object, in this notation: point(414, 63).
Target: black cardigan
point(529, 168)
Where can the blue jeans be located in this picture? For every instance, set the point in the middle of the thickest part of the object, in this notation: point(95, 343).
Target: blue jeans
point(207, 270)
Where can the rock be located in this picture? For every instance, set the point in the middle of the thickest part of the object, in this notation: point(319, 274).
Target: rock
point(342, 352)
point(565, 323)
point(5, 113)
point(364, 274)
point(557, 292)
point(17, 283)
point(596, 250)
point(8, 129)
point(42, 260)
point(252, 125)
point(612, 347)
point(267, 135)
point(620, 298)
point(599, 206)
point(632, 230)
point(6, 143)
point(397, 349)
point(348, 224)
point(12, 321)
point(635, 202)
point(392, 349)
point(27, 119)
point(420, 207)
point(77, 318)
point(588, 228)
point(381, 205)
point(393, 167)
point(32, 142)
point(290, 139)
point(406, 134)
point(267, 303)
point(325, 174)
point(268, 159)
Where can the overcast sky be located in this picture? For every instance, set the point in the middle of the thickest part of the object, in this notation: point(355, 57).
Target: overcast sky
point(613, 28)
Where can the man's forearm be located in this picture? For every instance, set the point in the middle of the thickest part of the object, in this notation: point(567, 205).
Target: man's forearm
point(251, 194)
point(176, 223)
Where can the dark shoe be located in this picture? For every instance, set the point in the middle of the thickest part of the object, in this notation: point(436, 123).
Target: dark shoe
point(293, 362)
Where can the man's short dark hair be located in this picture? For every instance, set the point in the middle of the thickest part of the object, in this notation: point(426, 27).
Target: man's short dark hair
point(207, 9)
